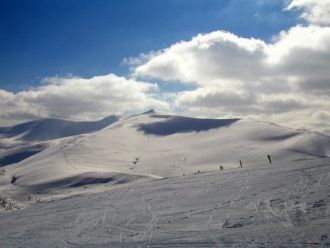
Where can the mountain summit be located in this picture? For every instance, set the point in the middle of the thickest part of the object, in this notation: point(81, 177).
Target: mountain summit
point(153, 179)
point(154, 146)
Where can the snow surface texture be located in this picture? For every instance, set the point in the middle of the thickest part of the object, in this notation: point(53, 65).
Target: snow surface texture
point(47, 129)
point(155, 179)
point(283, 205)
point(24, 140)
point(165, 146)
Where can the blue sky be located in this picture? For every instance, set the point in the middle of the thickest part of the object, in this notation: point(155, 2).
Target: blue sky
point(84, 60)
point(41, 38)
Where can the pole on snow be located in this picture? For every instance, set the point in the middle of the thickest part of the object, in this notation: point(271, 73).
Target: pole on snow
point(269, 159)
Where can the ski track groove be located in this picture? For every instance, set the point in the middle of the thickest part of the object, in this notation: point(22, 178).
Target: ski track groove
point(163, 207)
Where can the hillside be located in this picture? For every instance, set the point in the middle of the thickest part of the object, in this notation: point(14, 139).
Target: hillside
point(154, 180)
point(152, 146)
point(24, 140)
point(285, 205)
point(48, 129)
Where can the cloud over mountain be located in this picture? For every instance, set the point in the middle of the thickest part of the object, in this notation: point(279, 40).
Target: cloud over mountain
point(284, 80)
point(79, 98)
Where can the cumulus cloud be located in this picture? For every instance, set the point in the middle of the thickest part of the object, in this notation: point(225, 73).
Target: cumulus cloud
point(226, 60)
point(79, 98)
point(197, 60)
point(284, 80)
point(314, 11)
point(142, 58)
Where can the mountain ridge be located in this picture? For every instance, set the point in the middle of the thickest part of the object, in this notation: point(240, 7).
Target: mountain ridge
point(52, 128)
point(148, 146)
point(157, 145)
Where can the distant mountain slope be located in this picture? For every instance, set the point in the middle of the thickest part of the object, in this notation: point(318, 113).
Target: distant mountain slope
point(20, 152)
point(48, 129)
point(167, 187)
point(155, 145)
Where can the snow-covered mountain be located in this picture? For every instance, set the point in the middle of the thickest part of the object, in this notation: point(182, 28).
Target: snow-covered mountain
point(24, 140)
point(155, 180)
point(285, 205)
point(153, 145)
point(48, 129)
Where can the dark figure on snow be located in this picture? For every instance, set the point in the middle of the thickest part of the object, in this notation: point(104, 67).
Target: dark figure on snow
point(269, 159)
point(240, 162)
point(221, 167)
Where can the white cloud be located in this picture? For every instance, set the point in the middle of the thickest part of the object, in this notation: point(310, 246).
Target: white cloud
point(314, 11)
point(283, 81)
point(302, 55)
point(79, 98)
point(197, 60)
point(286, 80)
point(142, 58)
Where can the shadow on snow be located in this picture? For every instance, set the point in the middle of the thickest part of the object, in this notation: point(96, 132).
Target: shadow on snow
point(183, 125)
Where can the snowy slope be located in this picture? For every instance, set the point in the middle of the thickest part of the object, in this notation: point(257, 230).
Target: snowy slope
point(135, 183)
point(24, 140)
point(47, 129)
point(283, 205)
point(153, 145)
